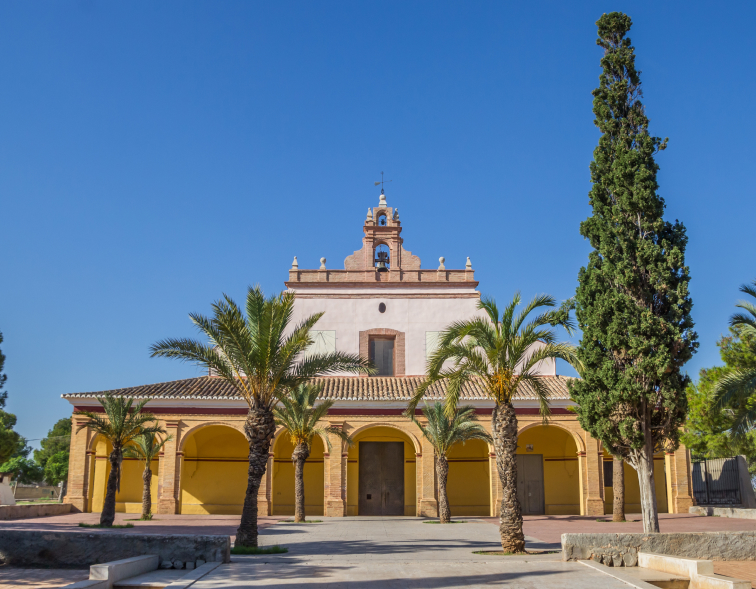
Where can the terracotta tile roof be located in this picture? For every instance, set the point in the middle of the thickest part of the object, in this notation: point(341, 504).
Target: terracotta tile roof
point(339, 388)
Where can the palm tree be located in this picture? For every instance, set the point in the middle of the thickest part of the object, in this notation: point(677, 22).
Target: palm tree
point(146, 447)
point(443, 432)
point(738, 387)
point(501, 353)
point(122, 423)
point(298, 415)
point(263, 357)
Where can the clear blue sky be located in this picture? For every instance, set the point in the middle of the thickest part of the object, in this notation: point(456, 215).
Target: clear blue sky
point(155, 155)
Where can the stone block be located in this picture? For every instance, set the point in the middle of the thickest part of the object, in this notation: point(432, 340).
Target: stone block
point(166, 564)
point(199, 562)
point(118, 570)
point(189, 566)
point(178, 564)
point(51, 549)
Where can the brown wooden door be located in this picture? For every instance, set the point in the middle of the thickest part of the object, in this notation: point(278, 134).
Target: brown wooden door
point(530, 483)
point(381, 478)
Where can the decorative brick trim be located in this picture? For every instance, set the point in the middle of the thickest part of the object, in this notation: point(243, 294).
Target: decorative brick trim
point(400, 362)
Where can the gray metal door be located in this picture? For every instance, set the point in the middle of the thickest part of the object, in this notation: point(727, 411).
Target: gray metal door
point(530, 483)
point(381, 478)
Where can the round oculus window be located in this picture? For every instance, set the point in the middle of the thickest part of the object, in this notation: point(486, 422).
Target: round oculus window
point(382, 308)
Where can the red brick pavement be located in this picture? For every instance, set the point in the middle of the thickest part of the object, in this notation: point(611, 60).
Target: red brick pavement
point(549, 528)
point(162, 524)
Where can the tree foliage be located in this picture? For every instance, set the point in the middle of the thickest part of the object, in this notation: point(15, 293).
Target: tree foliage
point(58, 440)
point(24, 471)
point(632, 302)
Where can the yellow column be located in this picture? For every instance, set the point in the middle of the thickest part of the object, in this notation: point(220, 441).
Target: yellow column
point(169, 471)
point(334, 476)
point(594, 477)
point(496, 490)
point(583, 477)
point(264, 492)
point(427, 504)
point(79, 469)
point(679, 484)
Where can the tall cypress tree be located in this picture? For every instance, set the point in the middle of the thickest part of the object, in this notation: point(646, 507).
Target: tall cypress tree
point(632, 302)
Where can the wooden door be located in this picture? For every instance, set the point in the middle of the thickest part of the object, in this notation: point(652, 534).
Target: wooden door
point(530, 483)
point(381, 478)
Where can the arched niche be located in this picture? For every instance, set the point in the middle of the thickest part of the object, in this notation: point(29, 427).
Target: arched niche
point(214, 473)
point(557, 451)
point(282, 477)
point(632, 487)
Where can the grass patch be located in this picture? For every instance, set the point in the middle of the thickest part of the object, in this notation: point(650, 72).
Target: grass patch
point(608, 521)
point(106, 527)
point(307, 521)
point(142, 519)
point(435, 521)
point(275, 549)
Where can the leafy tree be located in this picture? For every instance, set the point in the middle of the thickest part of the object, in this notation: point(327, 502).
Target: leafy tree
point(24, 471)
point(738, 386)
point(632, 300)
point(298, 415)
point(501, 352)
point(263, 360)
point(11, 442)
point(58, 440)
point(146, 447)
point(122, 423)
point(443, 432)
point(56, 470)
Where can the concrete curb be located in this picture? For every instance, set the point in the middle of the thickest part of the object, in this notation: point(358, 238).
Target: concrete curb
point(618, 574)
point(191, 578)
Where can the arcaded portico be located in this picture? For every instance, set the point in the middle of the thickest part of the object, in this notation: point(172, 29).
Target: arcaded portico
point(383, 306)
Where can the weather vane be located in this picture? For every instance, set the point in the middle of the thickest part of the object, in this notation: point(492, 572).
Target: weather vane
point(382, 182)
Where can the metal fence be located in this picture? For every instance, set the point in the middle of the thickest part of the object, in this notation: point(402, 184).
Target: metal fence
point(716, 481)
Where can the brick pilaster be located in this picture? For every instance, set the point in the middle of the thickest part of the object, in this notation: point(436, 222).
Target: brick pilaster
point(169, 471)
point(594, 477)
point(679, 487)
point(263, 494)
point(79, 468)
point(335, 476)
point(427, 504)
point(496, 489)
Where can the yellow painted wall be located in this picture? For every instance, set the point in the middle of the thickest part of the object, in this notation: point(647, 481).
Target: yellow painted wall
point(382, 434)
point(214, 471)
point(632, 488)
point(561, 469)
point(283, 478)
point(129, 499)
point(468, 484)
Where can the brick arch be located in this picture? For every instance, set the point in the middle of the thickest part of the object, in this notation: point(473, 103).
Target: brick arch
point(400, 360)
point(575, 436)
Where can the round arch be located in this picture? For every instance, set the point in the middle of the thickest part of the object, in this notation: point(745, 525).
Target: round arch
point(413, 439)
point(185, 436)
point(579, 443)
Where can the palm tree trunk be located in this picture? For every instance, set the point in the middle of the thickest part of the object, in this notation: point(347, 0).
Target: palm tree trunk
point(146, 499)
point(107, 517)
point(298, 457)
point(259, 429)
point(442, 471)
point(504, 427)
point(618, 489)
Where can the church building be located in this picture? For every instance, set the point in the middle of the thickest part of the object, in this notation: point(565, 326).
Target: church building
point(384, 306)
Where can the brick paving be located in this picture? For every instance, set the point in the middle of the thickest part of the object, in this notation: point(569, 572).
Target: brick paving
point(549, 528)
point(745, 570)
point(162, 524)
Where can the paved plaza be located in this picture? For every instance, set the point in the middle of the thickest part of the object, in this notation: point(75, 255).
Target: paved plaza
point(362, 552)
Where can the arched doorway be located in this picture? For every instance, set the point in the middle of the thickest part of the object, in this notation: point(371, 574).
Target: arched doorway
point(129, 498)
point(548, 471)
point(375, 467)
point(468, 484)
point(283, 478)
point(214, 471)
point(632, 487)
